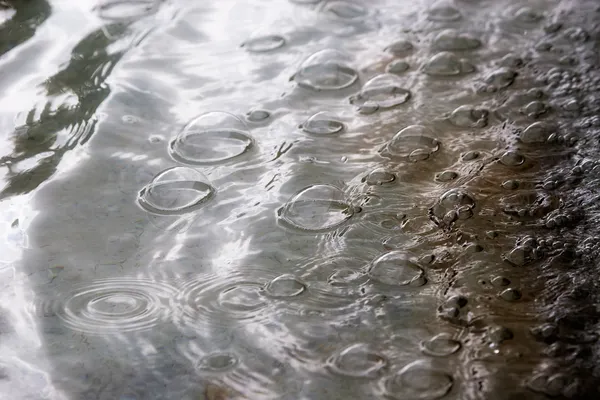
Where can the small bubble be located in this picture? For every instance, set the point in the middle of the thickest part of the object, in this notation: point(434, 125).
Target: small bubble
point(527, 15)
point(447, 64)
point(512, 159)
point(451, 40)
point(218, 362)
point(443, 11)
point(400, 48)
point(441, 345)
point(474, 248)
point(534, 109)
point(379, 176)
point(285, 286)
point(501, 78)
point(470, 155)
point(410, 139)
point(456, 201)
point(344, 10)
point(510, 184)
point(258, 115)
point(446, 176)
point(396, 268)
point(469, 117)
point(499, 334)
point(326, 70)
point(510, 294)
point(358, 361)
point(384, 91)
point(264, 44)
point(500, 281)
point(457, 301)
point(538, 132)
point(322, 124)
point(419, 380)
point(397, 67)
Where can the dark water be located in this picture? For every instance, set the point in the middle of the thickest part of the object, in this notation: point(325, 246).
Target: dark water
point(299, 199)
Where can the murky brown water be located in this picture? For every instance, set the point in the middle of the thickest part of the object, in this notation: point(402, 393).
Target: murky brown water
point(299, 199)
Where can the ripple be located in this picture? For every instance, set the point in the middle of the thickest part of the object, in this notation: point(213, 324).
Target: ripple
point(357, 361)
point(264, 44)
point(419, 380)
point(322, 123)
point(326, 70)
point(447, 64)
point(113, 306)
point(450, 39)
point(453, 205)
point(216, 300)
point(382, 92)
point(415, 142)
point(175, 191)
point(441, 345)
point(211, 138)
point(469, 117)
point(317, 208)
point(396, 268)
point(285, 286)
point(126, 10)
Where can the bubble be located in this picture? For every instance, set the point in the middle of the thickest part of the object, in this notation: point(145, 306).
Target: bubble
point(317, 208)
point(379, 176)
point(413, 138)
point(499, 334)
point(258, 115)
point(322, 124)
point(344, 10)
point(450, 39)
point(326, 70)
point(538, 132)
point(576, 34)
point(400, 48)
point(358, 361)
point(264, 44)
point(512, 159)
point(419, 380)
point(452, 205)
point(218, 362)
point(446, 176)
point(382, 92)
point(113, 306)
point(396, 268)
point(458, 301)
point(527, 15)
point(501, 78)
point(443, 11)
point(500, 281)
point(397, 67)
point(471, 155)
point(211, 138)
point(469, 117)
point(447, 64)
point(126, 10)
point(441, 345)
point(213, 300)
point(534, 109)
point(285, 286)
point(174, 191)
point(510, 294)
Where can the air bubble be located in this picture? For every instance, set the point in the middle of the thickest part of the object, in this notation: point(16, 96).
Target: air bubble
point(538, 132)
point(400, 48)
point(383, 91)
point(411, 139)
point(258, 115)
point(501, 78)
point(450, 39)
point(396, 268)
point(264, 44)
point(344, 10)
point(528, 15)
point(447, 64)
point(326, 70)
point(469, 117)
point(441, 345)
point(446, 176)
point(211, 138)
point(317, 208)
point(322, 124)
point(419, 380)
point(218, 362)
point(443, 11)
point(452, 204)
point(379, 176)
point(358, 361)
point(397, 67)
point(510, 294)
point(512, 159)
point(285, 286)
point(175, 191)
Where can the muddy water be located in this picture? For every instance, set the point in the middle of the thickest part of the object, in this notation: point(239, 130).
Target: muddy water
point(299, 199)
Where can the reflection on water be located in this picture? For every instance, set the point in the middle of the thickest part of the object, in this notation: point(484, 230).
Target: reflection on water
point(299, 199)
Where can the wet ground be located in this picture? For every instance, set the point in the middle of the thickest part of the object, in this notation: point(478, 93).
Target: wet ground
point(299, 199)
